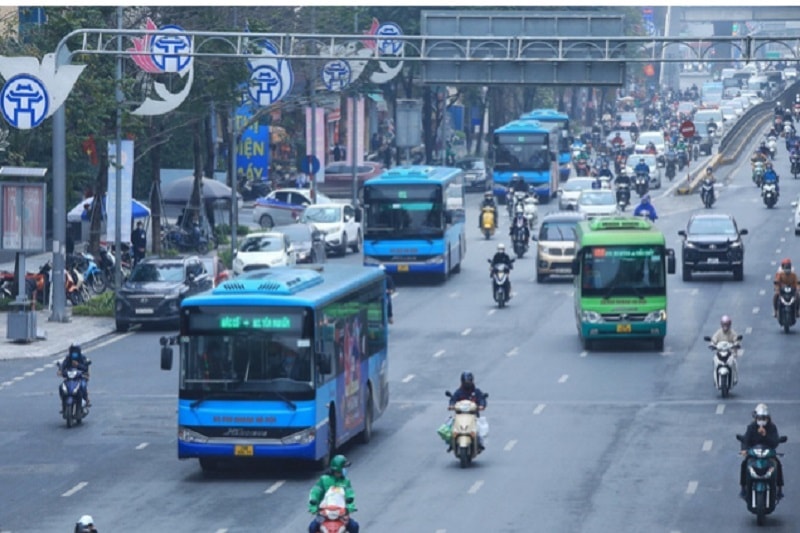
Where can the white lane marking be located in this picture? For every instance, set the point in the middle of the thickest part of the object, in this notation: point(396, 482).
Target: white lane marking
point(748, 330)
point(475, 487)
point(512, 352)
point(773, 263)
point(275, 486)
point(408, 378)
point(7, 383)
point(492, 311)
point(707, 446)
point(777, 250)
point(29, 374)
point(142, 446)
point(74, 489)
point(755, 310)
point(451, 295)
point(466, 332)
point(109, 341)
point(584, 353)
point(223, 530)
point(441, 531)
point(720, 408)
point(539, 408)
point(692, 487)
point(767, 277)
point(17, 378)
point(510, 445)
point(40, 369)
point(783, 239)
point(693, 292)
point(439, 353)
point(563, 378)
point(762, 292)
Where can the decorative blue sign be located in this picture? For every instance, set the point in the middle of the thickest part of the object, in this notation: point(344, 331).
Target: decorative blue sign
point(337, 74)
point(388, 46)
point(271, 78)
point(171, 53)
point(25, 101)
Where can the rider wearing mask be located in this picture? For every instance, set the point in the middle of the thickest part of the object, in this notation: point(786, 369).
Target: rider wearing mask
point(764, 149)
point(727, 334)
point(645, 207)
point(770, 176)
point(764, 432)
point(642, 168)
point(336, 477)
point(76, 359)
point(784, 276)
point(519, 224)
point(605, 172)
point(468, 391)
point(502, 257)
point(488, 201)
point(622, 178)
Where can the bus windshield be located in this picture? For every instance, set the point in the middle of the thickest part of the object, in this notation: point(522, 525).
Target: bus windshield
point(404, 211)
point(623, 271)
point(521, 151)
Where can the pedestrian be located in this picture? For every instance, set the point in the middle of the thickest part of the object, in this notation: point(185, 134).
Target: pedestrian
point(139, 241)
point(337, 152)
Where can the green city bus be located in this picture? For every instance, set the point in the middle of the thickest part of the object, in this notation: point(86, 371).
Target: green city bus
point(620, 269)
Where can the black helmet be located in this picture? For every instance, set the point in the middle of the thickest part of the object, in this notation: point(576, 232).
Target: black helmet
point(467, 378)
point(75, 351)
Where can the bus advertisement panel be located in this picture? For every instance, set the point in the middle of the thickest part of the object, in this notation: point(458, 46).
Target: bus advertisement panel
point(621, 269)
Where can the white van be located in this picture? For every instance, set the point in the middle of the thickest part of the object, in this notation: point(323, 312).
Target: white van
point(703, 116)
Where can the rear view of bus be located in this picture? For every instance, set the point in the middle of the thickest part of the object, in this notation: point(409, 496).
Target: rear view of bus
point(283, 363)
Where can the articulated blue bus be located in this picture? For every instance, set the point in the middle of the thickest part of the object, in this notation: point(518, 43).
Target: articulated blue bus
point(559, 123)
point(527, 148)
point(414, 220)
point(284, 362)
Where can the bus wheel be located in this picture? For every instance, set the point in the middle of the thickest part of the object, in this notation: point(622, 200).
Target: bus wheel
point(366, 435)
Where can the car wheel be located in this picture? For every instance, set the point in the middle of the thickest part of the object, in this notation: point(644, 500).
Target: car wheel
point(122, 327)
point(357, 245)
point(540, 278)
point(266, 222)
point(738, 273)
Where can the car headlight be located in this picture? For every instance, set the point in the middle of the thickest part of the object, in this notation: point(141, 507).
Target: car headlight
point(303, 255)
point(689, 245)
point(656, 316)
point(592, 317)
point(435, 259)
point(736, 244)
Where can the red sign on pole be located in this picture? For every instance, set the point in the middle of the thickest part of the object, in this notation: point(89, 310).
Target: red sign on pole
point(687, 129)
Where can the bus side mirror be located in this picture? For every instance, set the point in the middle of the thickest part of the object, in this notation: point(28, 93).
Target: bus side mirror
point(670, 261)
point(575, 269)
point(324, 363)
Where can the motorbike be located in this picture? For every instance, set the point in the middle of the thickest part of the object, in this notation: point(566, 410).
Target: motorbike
point(641, 184)
point(518, 198)
point(761, 479)
point(467, 427)
point(769, 193)
point(73, 406)
point(787, 300)
point(723, 364)
point(253, 189)
point(623, 195)
point(332, 513)
point(106, 261)
point(77, 290)
point(93, 277)
point(487, 221)
point(520, 236)
point(683, 159)
point(772, 144)
point(758, 173)
point(500, 273)
point(707, 192)
point(185, 241)
point(531, 211)
point(581, 168)
point(795, 162)
point(6, 285)
point(670, 169)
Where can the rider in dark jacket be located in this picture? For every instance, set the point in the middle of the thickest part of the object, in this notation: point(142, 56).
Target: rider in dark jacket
point(468, 391)
point(761, 431)
point(488, 201)
point(76, 359)
point(502, 257)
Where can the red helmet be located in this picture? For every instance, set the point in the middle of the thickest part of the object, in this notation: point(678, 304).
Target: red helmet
point(786, 263)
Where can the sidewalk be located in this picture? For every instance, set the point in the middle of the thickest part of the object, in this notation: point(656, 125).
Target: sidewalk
point(53, 338)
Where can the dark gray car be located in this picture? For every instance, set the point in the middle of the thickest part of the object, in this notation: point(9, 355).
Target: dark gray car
point(307, 242)
point(712, 243)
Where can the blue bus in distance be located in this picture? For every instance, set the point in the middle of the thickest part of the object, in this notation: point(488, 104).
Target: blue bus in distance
point(284, 362)
point(527, 148)
point(559, 123)
point(414, 220)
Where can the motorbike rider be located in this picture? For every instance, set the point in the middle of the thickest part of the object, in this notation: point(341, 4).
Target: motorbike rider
point(488, 201)
point(784, 276)
point(770, 176)
point(468, 391)
point(642, 167)
point(85, 524)
point(764, 432)
point(622, 178)
point(645, 207)
point(517, 184)
point(711, 126)
point(726, 333)
point(502, 257)
point(604, 171)
point(336, 477)
point(76, 359)
point(764, 149)
point(519, 223)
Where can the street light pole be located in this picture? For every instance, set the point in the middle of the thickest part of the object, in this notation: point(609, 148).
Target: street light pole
point(118, 159)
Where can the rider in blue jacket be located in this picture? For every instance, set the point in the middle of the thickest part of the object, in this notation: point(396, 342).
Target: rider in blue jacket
point(641, 168)
point(770, 176)
point(645, 207)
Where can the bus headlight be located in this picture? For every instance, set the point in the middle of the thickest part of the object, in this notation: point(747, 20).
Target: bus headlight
point(301, 437)
point(435, 260)
point(187, 435)
point(592, 317)
point(369, 260)
point(656, 316)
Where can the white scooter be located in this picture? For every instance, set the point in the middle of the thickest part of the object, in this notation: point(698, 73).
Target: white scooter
point(772, 144)
point(531, 211)
point(726, 373)
point(469, 432)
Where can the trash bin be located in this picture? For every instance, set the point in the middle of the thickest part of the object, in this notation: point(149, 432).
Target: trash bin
point(21, 322)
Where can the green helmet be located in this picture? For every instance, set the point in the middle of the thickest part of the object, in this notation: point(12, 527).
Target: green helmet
point(338, 463)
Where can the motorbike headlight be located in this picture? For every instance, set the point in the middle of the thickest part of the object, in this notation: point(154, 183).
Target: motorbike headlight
point(592, 317)
point(656, 316)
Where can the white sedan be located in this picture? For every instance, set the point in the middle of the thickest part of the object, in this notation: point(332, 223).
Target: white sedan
point(283, 206)
point(568, 193)
point(263, 249)
point(597, 203)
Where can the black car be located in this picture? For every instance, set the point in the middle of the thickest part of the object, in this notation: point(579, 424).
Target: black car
point(713, 243)
point(155, 289)
point(308, 243)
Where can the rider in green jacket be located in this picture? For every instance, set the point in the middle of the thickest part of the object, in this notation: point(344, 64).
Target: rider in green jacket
point(337, 477)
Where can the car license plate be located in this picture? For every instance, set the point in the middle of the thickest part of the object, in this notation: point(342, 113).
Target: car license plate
point(623, 328)
point(713, 260)
point(144, 311)
point(243, 450)
point(402, 268)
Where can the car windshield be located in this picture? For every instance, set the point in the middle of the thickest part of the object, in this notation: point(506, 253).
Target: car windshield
point(597, 198)
point(322, 214)
point(655, 138)
point(712, 226)
point(557, 231)
point(267, 243)
point(145, 272)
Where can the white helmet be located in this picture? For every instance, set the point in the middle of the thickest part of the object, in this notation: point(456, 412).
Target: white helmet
point(519, 209)
point(501, 248)
point(86, 520)
point(761, 410)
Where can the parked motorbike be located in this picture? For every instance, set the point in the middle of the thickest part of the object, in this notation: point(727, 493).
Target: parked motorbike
point(500, 274)
point(769, 193)
point(106, 262)
point(185, 241)
point(761, 480)
point(332, 513)
point(724, 362)
point(707, 192)
point(252, 189)
point(787, 302)
point(641, 184)
point(623, 195)
point(487, 221)
point(6, 285)
point(73, 406)
point(467, 430)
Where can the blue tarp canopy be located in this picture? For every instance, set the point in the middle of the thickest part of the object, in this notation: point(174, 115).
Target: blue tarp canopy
point(84, 209)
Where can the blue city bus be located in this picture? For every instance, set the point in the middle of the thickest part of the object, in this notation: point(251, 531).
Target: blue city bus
point(414, 220)
point(559, 122)
point(527, 148)
point(284, 362)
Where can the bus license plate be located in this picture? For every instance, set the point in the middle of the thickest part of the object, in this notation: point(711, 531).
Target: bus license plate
point(402, 268)
point(623, 328)
point(243, 451)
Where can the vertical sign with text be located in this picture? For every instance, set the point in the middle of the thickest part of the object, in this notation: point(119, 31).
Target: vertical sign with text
point(126, 162)
point(252, 150)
